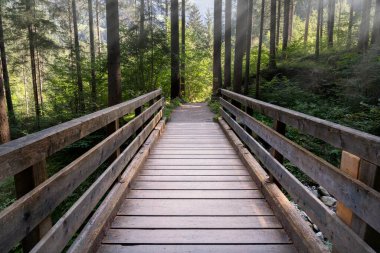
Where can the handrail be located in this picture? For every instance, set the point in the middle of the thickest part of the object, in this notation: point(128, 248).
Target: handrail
point(362, 144)
point(354, 194)
point(26, 213)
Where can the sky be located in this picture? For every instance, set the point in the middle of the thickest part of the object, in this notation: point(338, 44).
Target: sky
point(203, 5)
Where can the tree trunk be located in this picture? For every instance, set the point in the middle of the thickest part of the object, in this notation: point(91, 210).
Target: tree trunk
point(40, 90)
point(330, 23)
point(183, 49)
point(291, 17)
point(81, 106)
point(318, 33)
point(339, 30)
point(175, 75)
point(98, 28)
point(278, 24)
point(260, 49)
point(4, 65)
point(307, 22)
point(92, 53)
point(248, 44)
point(350, 25)
point(227, 41)
point(31, 35)
point(141, 25)
point(285, 32)
point(113, 48)
point(242, 9)
point(321, 23)
point(364, 26)
point(25, 91)
point(217, 58)
point(376, 25)
point(5, 134)
point(272, 40)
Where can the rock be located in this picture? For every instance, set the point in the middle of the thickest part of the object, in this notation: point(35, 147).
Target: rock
point(320, 236)
point(315, 193)
point(328, 201)
point(323, 191)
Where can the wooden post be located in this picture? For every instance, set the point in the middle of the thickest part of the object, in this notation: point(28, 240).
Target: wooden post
point(280, 127)
point(25, 181)
point(138, 111)
point(369, 174)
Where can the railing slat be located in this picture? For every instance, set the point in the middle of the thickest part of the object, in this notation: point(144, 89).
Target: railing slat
point(64, 229)
point(338, 232)
point(22, 153)
point(362, 199)
point(24, 214)
point(362, 144)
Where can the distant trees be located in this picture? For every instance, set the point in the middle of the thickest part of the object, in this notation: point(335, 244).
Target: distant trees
point(285, 31)
point(376, 25)
point(113, 49)
point(307, 21)
point(318, 31)
point(258, 68)
point(92, 53)
point(227, 43)
point(364, 26)
point(272, 41)
point(217, 57)
point(183, 48)
point(330, 23)
point(248, 45)
point(241, 21)
point(175, 75)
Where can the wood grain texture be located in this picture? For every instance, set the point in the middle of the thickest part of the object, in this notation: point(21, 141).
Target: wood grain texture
point(194, 236)
point(191, 222)
point(362, 144)
point(22, 153)
point(363, 200)
point(327, 221)
point(193, 162)
point(189, 167)
point(194, 186)
point(283, 248)
point(194, 194)
point(202, 178)
point(195, 207)
point(173, 172)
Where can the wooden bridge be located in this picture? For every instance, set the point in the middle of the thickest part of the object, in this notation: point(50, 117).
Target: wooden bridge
point(192, 185)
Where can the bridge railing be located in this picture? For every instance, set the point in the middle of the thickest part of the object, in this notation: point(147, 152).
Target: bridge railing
point(27, 219)
point(352, 185)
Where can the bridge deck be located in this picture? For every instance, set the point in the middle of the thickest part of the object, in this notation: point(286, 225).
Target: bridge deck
point(195, 195)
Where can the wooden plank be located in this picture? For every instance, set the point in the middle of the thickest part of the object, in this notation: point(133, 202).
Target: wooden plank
point(22, 153)
point(189, 167)
point(194, 156)
point(362, 144)
point(194, 194)
point(190, 222)
point(194, 186)
point(299, 231)
point(333, 228)
point(191, 141)
point(350, 165)
point(194, 178)
point(57, 238)
point(89, 238)
point(360, 198)
point(195, 236)
point(193, 162)
point(212, 207)
point(147, 172)
point(41, 201)
point(115, 248)
point(190, 145)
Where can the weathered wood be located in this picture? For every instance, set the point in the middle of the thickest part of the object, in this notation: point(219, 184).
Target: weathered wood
point(164, 172)
point(41, 201)
point(361, 199)
point(22, 153)
point(350, 165)
point(303, 237)
point(333, 228)
point(192, 145)
point(194, 236)
point(281, 248)
point(25, 181)
point(191, 141)
point(194, 185)
point(198, 222)
point(213, 207)
point(67, 225)
point(194, 156)
point(193, 162)
point(189, 167)
point(194, 178)
point(90, 236)
point(362, 144)
point(194, 194)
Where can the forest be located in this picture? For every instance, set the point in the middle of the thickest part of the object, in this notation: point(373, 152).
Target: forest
point(62, 59)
